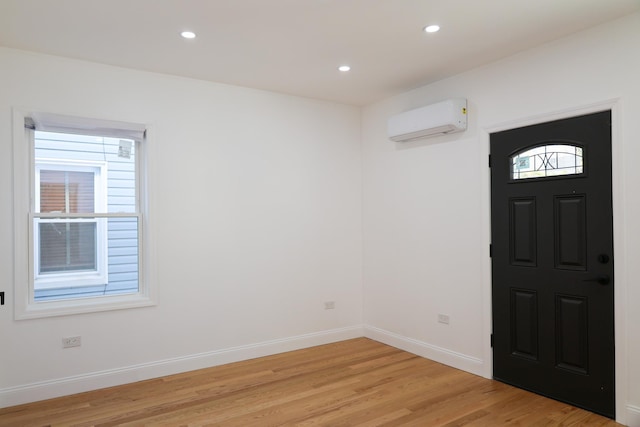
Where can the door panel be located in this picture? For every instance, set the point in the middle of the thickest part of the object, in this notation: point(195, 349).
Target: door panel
point(523, 232)
point(572, 340)
point(552, 260)
point(524, 320)
point(570, 232)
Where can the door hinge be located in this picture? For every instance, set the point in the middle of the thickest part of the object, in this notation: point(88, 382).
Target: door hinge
point(490, 251)
point(491, 340)
point(489, 160)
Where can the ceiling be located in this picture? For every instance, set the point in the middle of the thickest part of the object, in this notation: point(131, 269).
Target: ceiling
point(295, 46)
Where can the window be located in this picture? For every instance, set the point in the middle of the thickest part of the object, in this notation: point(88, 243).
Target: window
point(547, 161)
point(83, 179)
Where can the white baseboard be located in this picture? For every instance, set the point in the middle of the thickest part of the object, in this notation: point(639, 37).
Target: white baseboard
point(438, 354)
point(459, 361)
point(633, 416)
point(96, 380)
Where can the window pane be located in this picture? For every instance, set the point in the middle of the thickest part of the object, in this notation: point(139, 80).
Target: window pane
point(122, 270)
point(67, 246)
point(123, 255)
point(118, 156)
point(52, 191)
point(66, 191)
point(546, 161)
point(84, 257)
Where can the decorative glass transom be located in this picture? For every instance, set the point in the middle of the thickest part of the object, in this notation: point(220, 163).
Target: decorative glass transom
point(546, 161)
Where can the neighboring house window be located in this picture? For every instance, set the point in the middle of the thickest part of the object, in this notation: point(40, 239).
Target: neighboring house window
point(84, 236)
point(69, 252)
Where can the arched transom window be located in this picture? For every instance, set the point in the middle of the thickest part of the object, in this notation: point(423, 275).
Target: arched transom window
point(547, 161)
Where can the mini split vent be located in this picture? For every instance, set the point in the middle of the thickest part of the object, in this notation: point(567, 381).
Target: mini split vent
point(436, 119)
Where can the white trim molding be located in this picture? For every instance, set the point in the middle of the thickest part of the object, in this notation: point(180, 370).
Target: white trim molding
point(96, 380)
point(429, 351)
point(633, 416)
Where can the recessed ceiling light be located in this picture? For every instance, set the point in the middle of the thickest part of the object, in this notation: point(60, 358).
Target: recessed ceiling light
point(432, 28)
point(344, 68)
point(188, 34)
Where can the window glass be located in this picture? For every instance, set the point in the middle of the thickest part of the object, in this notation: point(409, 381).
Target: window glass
point(69, 246)
point(547, 161)
point(66, 191)
point(85, 221)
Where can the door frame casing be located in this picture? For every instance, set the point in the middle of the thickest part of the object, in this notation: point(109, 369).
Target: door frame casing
point(621, 283)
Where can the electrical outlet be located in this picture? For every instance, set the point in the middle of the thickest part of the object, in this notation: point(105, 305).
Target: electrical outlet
point(71, 342)
point(443, 318)
point(329, 305)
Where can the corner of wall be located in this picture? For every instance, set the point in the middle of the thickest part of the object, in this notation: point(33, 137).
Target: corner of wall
point(454, 359)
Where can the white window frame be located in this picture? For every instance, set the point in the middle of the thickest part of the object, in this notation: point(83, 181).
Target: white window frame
point(24, 172)
point(74, 278)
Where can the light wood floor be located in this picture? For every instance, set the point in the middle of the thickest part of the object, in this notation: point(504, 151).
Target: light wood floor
point(358, 382)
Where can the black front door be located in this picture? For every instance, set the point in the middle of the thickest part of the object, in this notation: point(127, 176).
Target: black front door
point(552, 260)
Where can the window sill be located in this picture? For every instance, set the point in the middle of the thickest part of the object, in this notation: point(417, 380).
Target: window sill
point(66, 307)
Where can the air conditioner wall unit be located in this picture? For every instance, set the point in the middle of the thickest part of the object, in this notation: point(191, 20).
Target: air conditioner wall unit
point(436, 119)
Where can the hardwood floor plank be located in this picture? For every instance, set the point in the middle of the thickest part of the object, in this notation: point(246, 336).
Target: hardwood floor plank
point(357, 382)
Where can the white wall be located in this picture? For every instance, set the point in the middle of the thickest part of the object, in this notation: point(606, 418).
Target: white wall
point(426, 204)
point(256, 221)
point(257, 203)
